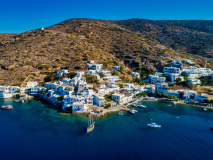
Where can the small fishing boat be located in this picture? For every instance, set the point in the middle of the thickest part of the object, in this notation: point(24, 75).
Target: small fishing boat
point(91, 125)
point(153, 125)
point(133, 111)
point(22, 101)
point(8, 107)
point(121, 114)
point(205, 109)
point(141, 106)
point(17, 100)
point(135, 105)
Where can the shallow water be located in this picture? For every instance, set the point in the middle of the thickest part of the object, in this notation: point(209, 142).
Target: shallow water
point(34, 130)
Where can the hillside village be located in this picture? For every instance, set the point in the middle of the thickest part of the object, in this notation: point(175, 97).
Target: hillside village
point(81, 91)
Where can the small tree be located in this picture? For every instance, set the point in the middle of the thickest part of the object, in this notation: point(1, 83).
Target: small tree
point(114, 73)
point(122, 68)
point(178, 80)
point(165, 95)
point(143, 83)
point(70, 75)
point(159, 94)
point(60, 98)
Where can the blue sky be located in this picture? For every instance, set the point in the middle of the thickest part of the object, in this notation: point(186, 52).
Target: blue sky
point(23, 15)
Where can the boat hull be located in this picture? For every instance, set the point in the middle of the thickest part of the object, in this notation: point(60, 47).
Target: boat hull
point(91, 128)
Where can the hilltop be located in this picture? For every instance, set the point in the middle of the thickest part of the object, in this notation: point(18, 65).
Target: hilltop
point(136, 44)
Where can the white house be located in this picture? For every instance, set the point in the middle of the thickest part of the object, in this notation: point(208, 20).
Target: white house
point(105, 72)
point(156, 79)
point(99, 100)
point(91, 72)
point(89, 100)
point(81, 85)
point(93, 66)
point(194, 81)
point(161, 87)
point(201, 97)
point(189, 61)
point(31, 84)
point(66, 90)
point(79, 74)
point(35, 90)
point(129, 85)
point(135, 74)
point(62, 72)
point(115, 79)
point(79, 107)
point(121, 98)
point(169, 70)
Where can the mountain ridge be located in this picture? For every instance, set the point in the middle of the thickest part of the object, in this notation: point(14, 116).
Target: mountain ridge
point(71, 43)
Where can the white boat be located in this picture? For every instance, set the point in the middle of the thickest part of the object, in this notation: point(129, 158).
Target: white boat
point(91, 125)
point(22, 101)
point(133, 111)
point(17, 100)
point(153, 125)
point(205, 109)
point(135, 105)
point(141, 106)
point(8, 107)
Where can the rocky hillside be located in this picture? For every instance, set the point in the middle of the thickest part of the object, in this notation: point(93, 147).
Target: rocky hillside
point(195, 37)
point(70, 44)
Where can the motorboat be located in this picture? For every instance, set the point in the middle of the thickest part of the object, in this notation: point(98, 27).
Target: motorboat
point(8, 107)
point(153, 125)
point(133, 111)
point(141, 106)
point(204, 109)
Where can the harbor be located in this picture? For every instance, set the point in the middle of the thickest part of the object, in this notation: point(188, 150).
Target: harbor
point(47, 126)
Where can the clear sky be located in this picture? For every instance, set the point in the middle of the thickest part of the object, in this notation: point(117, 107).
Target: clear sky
point(23, 15)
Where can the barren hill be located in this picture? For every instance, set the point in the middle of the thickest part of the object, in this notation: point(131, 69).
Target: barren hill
point(71, 43)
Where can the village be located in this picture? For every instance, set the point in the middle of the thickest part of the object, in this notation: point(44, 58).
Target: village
point(79, 95)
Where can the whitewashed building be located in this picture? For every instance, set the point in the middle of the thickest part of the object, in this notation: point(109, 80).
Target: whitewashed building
point(156, 79)
point(31, 84)
point(169, 70)
point(161, 87)
point(135, 74)
point(105, 73)
point(194, 81)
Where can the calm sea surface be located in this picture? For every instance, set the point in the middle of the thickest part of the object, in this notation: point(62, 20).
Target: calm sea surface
point(33, 131)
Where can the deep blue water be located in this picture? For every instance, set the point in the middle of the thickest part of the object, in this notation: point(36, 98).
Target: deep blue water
point(33, 131)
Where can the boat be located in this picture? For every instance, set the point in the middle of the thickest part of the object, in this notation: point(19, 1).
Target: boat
point(211, 128)
point(22, 101)
point(135, 105)
point(141, 106)
point(121, 114)
point(91, 125)
point(17, 100)
point(8, 107)
point(153, 125)
point(205, 109)
point(133, 111)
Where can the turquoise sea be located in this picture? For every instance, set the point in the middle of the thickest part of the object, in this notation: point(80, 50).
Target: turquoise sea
point(34, 130)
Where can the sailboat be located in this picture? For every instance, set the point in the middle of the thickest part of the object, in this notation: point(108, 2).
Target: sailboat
point(91, 125)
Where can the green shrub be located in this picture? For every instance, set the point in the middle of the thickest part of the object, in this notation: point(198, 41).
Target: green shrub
point(60, 98)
